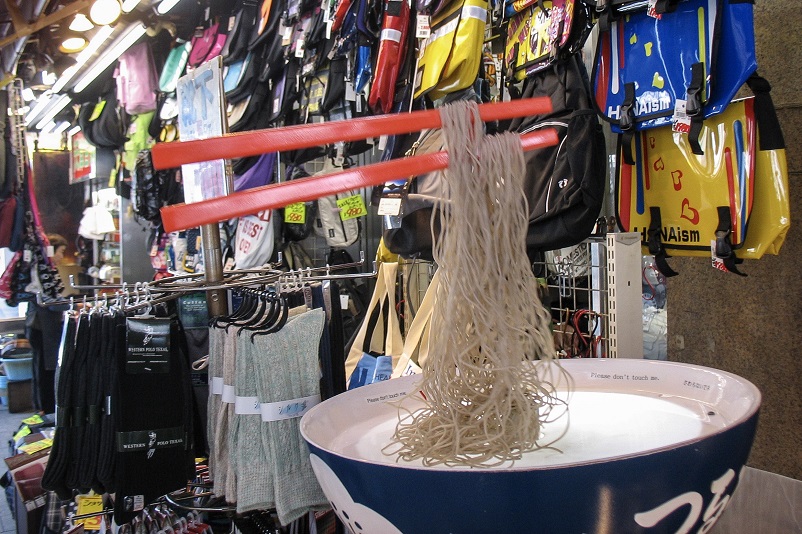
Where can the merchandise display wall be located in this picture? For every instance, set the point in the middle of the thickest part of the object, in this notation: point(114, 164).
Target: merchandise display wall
point(749, 326)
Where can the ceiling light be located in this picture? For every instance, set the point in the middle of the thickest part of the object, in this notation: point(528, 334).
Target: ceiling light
point(63, 125)
point(40, 106)
point(81, 24)
point(97, 40)
point(130, 5)
point(105, 12)
point(135, 31)
point(47, 128)
point(54, 110)
point(165, 6)
point(27, 94)
point(74, 130)
point(72, 44)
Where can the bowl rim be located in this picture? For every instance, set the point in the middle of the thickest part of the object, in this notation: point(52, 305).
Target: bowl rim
point(751, 412)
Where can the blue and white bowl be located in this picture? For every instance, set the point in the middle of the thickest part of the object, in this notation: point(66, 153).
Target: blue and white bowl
point(650, 447)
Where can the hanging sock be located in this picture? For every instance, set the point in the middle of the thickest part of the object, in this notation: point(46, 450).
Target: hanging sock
point(214, 401)
point(225, 481)
point(106, 464)
point(289, 381)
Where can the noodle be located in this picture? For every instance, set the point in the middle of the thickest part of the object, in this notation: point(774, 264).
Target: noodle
point(490, 378)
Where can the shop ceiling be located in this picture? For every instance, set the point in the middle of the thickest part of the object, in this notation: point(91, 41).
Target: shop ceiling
point(33, 35)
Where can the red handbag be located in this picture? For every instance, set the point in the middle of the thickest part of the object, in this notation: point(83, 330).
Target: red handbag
point(203, 45)
point(392, 48)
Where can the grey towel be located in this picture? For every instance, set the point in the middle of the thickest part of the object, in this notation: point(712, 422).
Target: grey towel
point(225, 482)
point(215, 370)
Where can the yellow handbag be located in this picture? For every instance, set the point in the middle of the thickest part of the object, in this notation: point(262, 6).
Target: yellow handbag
point(452, 53)
point(732, 198)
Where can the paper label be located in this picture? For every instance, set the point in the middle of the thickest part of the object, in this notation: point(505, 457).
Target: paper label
point(389, 206)
point(350, 92)
point(247, 406)
point(352, 207)
point(217, 385)
point(229, 394)
point(287, 37)
point(279, 411)
point(651, 10)
point(680, 122)
point(148, 346)
point(50, 251)
point(422, 27)
point(26, 256)
point(36, 446)
point(344, 302)
point(716, 262)
point(299, 48)
point(89, 504)
point(33, 420)
point(295, 213)
point(24, 431)
point(97, 111)
point(231, 20)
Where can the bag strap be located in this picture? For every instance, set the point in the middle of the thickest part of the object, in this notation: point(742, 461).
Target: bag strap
point(416, 344)
point(771, 135)
point(655, 243)
point(724, 249)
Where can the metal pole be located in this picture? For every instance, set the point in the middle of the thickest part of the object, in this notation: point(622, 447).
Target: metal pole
point(216, 299)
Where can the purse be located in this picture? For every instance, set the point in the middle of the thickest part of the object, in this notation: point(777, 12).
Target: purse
point(540, 33)
point(173, 68)
point(453, 52)
point(686, 66)
point(376, 339)
point(733, 198)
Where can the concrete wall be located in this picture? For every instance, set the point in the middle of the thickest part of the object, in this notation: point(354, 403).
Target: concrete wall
point(753, 326)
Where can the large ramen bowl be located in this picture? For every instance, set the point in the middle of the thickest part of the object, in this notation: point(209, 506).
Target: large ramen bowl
point(650, 447)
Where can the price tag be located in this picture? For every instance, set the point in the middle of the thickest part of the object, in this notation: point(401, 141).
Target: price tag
point(389, 206)
point(50, 251)
point(344, 301)
point(651, 10)
point(97, 111)
point(680, 122)
point(350, 92)
point(33, 420)
point(36, 446)
point(295, 213)
point(422, 27)
point(352, 207)
point(26, 256)
point(231, 20)
point(287, 37)
point(299, 48)
point(89, 504)
point(24, 431)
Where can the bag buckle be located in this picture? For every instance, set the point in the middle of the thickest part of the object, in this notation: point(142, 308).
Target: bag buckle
point(723, 246)
point(627, 118)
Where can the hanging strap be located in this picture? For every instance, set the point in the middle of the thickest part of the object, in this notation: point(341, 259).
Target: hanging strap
point(655, 243)
point(626, 121)
point(694, 107)
point(724, 250)
point(416, 344)
point(771, 135)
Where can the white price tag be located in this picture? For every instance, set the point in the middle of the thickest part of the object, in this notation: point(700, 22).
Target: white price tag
point(50, 251)
point(299, 48)
point(382, 142)
point(26, 256)
point(422, 27)
point(389, 206)
point(680, 122)
point(350, 93)
point(344, 300)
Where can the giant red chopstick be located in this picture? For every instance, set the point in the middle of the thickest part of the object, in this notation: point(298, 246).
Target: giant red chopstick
point(183, 216)
point(244, 144)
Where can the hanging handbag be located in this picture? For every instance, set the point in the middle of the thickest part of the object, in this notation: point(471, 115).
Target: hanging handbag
point(687, 65)
point(390, 57)
point(174, 68)
point(540, 33)
point(453, 51)
point(416, 342)
point(733, 198)
point(376, 338)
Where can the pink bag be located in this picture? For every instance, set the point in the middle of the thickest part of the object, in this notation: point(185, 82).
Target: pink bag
point(137, 80)
point(204, 46)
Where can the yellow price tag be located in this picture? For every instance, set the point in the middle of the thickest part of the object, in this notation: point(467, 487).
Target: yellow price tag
point(352, 207)
point(295, 213)
point(97, 111)
point(36, 446)
point(89, 504)
point(24, 431)
point(33, 420)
